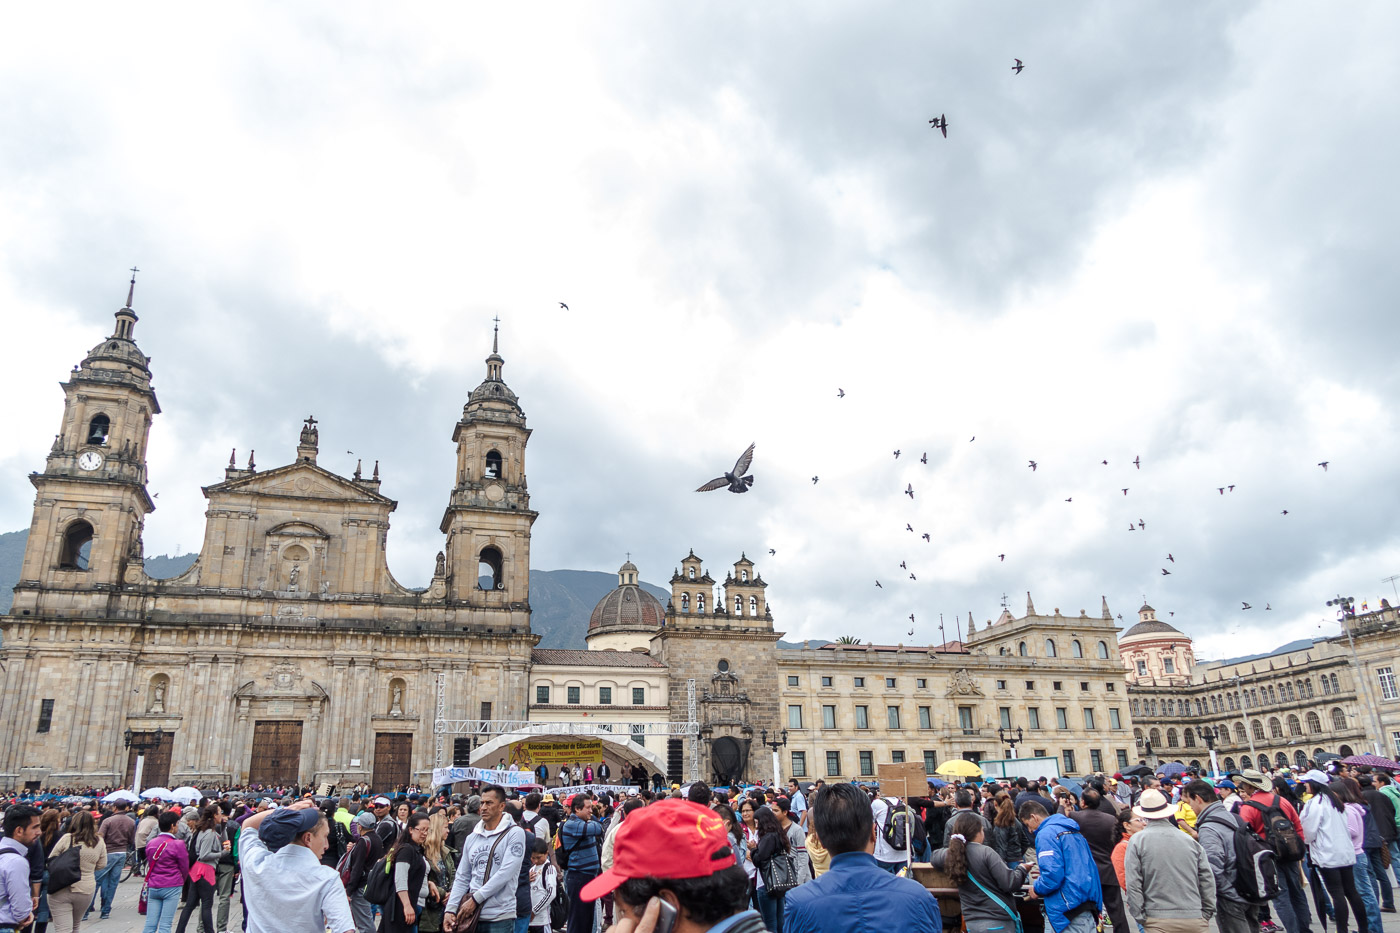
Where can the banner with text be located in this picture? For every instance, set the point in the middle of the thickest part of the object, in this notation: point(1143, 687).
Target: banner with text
point(615, 789)
point(443, 776)
point(533, 754)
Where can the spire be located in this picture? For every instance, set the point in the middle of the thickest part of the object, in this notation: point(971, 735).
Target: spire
point(494, 361)
point(971, 626)
point(1030, 606)
point(131, 290)
point(496, 336)
point(1106, 613)
point(126, 318)
point(376, 471)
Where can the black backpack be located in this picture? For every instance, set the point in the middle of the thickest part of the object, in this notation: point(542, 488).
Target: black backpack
point(379, 882)
point(896, 826)
point(561, 854)
point(559, 907)
point(1256, 874)
point(1280, 835)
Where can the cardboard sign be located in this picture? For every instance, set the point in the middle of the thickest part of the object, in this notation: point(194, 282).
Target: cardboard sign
point(906, 779)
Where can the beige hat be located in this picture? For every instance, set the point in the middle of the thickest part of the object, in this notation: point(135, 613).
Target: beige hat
point(1154, 805)
point(1252, 776)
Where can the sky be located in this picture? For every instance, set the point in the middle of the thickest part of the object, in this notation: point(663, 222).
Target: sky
point(1166, 239)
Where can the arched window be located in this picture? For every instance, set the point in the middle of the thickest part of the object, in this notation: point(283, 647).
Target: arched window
point(489, 568)
point(1273, 697)
point(1135, 708)
point(1275, 728)
point(1021, 649)
point(1300, 758)
point(700, 602)
point(1336, 684)
point(1314, 722)
point(685, 602)
point(98, 430)
point(1229, 765)
point(1188, 738)
point(1172, 741)
point(493, 464)
point(1281, 760)
point(1295, 726)
point(1137, 736)
point(1196, 763)
point(1155, 737)
point(1240, 737)
point(76, 547)
point(1004, 650)
point(744, 576)
point(1246, 762)
point(692, 572)
point(753, 605)
point(1339, 718)
point(1103, 650)
point(1344, 751)
point(1076, 650)
point(1215, 704)
point(1326, 685)
point(1050, 647)
point(738, 605)
point(1257, 728)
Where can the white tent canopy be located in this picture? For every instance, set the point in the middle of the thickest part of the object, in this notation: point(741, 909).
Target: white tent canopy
point(619, 749)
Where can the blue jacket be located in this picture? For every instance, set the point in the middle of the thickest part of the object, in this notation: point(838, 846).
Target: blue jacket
point(581, 838)
point(1068, 875)
point(858, 896)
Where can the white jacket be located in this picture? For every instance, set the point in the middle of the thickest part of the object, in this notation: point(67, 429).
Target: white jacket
point(496, 896)
point(542, 890)
point(1325, 832)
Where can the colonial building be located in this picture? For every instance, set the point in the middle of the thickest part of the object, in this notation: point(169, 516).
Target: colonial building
point(287, 651)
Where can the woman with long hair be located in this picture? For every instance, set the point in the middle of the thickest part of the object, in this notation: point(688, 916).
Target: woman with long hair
point(411, 885)
point(1357, 816)
point(208, 846)
point(69, 905)
point(772, 842)
point(441, 870)
point(1009, 838)
point(1331, 851)
point(985, 884)
point(49, 833)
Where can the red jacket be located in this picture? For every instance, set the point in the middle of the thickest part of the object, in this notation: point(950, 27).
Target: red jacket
point(1255, 818)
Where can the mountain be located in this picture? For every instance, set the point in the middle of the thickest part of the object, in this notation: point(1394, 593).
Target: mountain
point(562, 600)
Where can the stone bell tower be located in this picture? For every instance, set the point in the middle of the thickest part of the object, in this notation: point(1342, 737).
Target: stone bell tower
point(91, 498)
point(487, 522)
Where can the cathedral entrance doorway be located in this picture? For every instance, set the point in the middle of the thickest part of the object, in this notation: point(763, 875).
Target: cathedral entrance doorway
point(276, 752)
point(393, 760)
point(155, 770)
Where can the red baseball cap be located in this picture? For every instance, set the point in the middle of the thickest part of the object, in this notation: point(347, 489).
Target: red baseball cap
point(669, 839)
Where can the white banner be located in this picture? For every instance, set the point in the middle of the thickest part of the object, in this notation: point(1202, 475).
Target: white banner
point(443, 776)
point(617, 789)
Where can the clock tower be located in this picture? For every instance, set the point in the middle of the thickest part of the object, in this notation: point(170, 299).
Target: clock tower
point(91, 498)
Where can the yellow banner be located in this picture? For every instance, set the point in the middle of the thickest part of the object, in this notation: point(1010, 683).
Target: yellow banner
point(533, 754)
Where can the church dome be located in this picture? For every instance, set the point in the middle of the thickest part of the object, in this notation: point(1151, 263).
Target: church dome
point(629, 608)
point(1150, 627)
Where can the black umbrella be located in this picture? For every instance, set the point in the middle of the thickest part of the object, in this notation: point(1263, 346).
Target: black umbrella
point(1136, 771)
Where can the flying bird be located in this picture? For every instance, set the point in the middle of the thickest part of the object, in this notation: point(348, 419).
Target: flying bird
point(1246, 605)
point(1137, 462)
point(1032, 465)
point(735, 478)
point(814, 480)
point(1231, 488)
point(926, 537)
point(1070, 499)
point(1285, 511)
point(1125, 492)
point(940, 122)
point(1132, 527)
point(564, 306)
point(1267, 607)
point(908, 526)
point(1141, 523)
point(1222, 490)
point(1166, 572)
point(972, 438)
point(909, 491)
point(840, 392)
point(772, 553)
point(877, 583)
point(1002, 556)
point(1018, 66)
point(1323, 464)
point(1105, 463)
point(912, 577)
point(911, 631)
point(911, 619)
point(896, 455)
point(1170, 558)
point(903, 566)
point(924, 458)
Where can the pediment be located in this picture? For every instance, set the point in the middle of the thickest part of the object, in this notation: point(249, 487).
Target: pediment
point(299, 481)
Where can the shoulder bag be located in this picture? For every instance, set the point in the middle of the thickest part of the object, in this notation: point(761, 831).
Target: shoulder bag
point(780, 873)
point(145, 888)
point(469, 926)
point(65, 870)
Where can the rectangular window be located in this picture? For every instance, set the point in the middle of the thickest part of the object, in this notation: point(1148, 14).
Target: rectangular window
point(1108, 687)
point(965, 718)
point(639, 733)
point(541, 694)
point(1095, 760)
point(1395, 737)
point(1067, 756)
point(1005, 714)
point(860, 681)
point(1039, 753)
point(45, 715)
point(1056, 685)
point(1122, 754)
point(1061, 717)
point(605, 696)
point(897, 757)
point(862, 717)
point(792, 680)
point(799, 764)
point(485, 710)
point(867, 764)
point(1089, 721)
point(1001, 685)
point(1115, 721)
point(639, 696)
point(889, 683)
point(574, 695)
point(925, 718)
point(1142, 668)
point(1387, 678)
point(833, 764)
point(1033, 717)
point(892, 715)
point(1030, 685)
point(922, 682)
point(826, 681)
point(931, 759)
point(794, 717)
point(1084, 686)
point(1168, 667)
point(828, 717)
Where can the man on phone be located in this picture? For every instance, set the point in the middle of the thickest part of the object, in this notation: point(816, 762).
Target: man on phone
point(674, 871)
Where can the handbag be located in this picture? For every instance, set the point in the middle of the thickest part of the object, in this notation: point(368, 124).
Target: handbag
point(145, 888)
point(780, 873)
point(65, 870)
point(469, 926)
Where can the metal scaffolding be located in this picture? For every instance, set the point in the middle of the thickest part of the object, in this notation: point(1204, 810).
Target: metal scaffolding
point(694, 729)
point(438, 718)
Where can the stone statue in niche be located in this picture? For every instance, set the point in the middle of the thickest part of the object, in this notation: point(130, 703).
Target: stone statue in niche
point(396, 701)
point(325, 587)
point(157, 697)
point(441, 565)
point(293, 580)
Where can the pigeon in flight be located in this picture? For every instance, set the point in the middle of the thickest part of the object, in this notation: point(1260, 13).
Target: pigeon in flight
point(814, 480)
point(1032, 465)
point(1018, 66)
point(924, 458)
point(1105, 463)
point(1170, 558)
point(564, 306)
point(772, 553)
point(1246, 605)
point(1070, 499)
point(735, 478)
point(1267, 607)
point(1222, 490)
point(1323, 464)
point(896, 455)
point(1141, 523)
point(926, 537)
point(908, 526)
point(877, 583)
point(1137, 462)
point(1132, 527)
point(1285, 511)
point(911, 619)
point(1231, 488)
point(1125, 492)
point(972, 438)
point(1003, 557)
point(909, 491)
point(903, 566)
point(912, 577)
point(1166, 572)
point(840, 392)
point(940, 122)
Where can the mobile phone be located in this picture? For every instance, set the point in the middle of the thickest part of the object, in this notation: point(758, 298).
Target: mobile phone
point(667, 921)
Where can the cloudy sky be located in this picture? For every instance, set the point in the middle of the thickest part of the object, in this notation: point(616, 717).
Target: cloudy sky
point(1167, 238)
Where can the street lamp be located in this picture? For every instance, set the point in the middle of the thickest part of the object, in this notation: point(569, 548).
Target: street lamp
point(779, 740)
point(152, 741)
point(1346, 610)
point(1210, 734)
point(1007, 738)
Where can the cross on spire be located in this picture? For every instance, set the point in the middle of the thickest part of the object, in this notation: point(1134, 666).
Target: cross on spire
point(496, 335)
point(131, 290)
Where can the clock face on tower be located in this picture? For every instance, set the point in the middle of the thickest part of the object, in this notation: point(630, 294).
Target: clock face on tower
point(90, 460)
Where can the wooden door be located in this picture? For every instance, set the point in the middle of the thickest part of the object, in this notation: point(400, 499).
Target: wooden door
point(393, 760)
point(155, 771)
point(276, 752)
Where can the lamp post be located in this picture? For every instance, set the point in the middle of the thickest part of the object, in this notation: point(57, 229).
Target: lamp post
point(142, 746)
point(1004, 734)
point(1345, 610)
point(1210, 734)
point(779, 740)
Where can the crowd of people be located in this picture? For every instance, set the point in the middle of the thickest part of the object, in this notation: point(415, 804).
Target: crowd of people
point(1253, 852)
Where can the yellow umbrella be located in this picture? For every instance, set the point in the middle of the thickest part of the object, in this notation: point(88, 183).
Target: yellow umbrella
point(959, 767)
